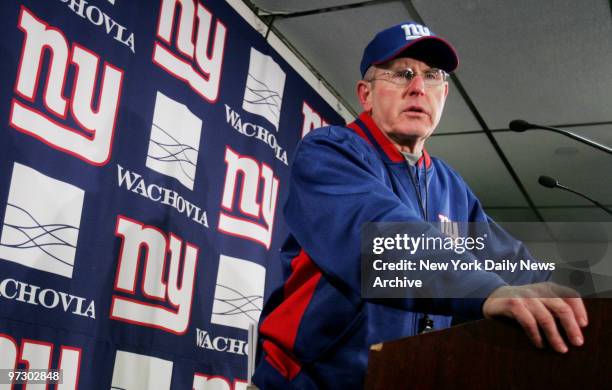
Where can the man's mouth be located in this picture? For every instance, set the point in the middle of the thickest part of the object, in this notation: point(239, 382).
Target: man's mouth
point(415, 110)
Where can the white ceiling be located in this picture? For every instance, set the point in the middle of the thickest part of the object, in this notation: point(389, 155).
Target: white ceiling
point(545, 61)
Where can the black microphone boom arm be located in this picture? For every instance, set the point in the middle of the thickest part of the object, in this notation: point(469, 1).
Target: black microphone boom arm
point(520, 125)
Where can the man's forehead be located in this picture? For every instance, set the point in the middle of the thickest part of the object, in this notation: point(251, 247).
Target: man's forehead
point(404, 62)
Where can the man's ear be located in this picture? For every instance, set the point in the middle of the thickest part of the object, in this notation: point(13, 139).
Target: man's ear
point(364, 94)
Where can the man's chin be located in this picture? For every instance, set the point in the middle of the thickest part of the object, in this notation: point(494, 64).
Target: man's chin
point(412, 132)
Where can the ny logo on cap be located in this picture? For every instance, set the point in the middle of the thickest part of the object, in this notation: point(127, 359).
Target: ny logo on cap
point(414, 31)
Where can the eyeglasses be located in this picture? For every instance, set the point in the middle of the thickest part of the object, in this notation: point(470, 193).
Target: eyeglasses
point(431, 77)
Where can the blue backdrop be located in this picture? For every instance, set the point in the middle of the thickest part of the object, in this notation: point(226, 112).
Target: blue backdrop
point(144, 159)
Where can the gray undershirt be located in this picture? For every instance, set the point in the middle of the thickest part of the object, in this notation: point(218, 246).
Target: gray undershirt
point(411, 158)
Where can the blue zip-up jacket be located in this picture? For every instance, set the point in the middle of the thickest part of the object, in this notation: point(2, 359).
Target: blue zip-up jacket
point(316, 329)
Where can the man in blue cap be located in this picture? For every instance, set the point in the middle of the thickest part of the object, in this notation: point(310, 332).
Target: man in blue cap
point(317, 328)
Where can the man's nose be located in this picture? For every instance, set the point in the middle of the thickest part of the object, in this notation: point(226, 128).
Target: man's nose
point(416, 85)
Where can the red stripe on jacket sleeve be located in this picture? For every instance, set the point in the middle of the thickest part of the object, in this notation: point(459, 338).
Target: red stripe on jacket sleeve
point(281, 326)
point(284, 363)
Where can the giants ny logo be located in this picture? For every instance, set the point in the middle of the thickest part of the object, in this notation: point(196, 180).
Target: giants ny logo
point(448, 227)
point(38, 355)
point(89, 136)
point(217, 382)
point(159, 282)
point(312, 119)
point(187, 60)
point(255, 220)
point(414, 31)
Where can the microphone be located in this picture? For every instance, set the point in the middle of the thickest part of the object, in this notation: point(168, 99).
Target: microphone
point(549, 182)
point(520, 126)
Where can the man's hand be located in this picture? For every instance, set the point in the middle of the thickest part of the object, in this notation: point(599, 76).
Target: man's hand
point(539, 304)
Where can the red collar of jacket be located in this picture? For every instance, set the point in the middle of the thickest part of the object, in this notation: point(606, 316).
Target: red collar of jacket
point(365, 127)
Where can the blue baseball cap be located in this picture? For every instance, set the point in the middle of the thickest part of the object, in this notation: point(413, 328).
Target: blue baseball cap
point(409, 39)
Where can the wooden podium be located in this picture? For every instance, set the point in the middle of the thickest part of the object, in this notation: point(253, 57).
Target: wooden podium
point(495, 354)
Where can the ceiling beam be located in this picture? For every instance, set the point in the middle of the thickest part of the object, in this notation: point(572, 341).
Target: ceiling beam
point(297, 14)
